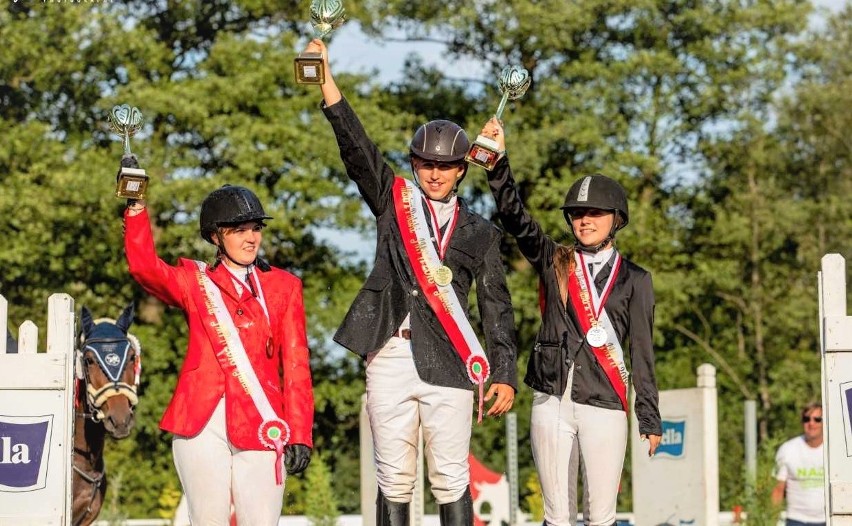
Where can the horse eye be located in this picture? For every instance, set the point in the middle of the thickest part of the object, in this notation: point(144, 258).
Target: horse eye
point(90, 360)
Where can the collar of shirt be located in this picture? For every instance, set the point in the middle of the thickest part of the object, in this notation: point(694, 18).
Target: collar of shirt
point(596, 262)
point(443, 210)
point(239, 276)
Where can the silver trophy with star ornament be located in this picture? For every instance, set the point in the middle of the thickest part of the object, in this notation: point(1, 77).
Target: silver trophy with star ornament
point(326, 16)
point(513, 83)
point(131, 182)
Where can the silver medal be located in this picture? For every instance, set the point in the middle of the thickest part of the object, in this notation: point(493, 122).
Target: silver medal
point(596, 336)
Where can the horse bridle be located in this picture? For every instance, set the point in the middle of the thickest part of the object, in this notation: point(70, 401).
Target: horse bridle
point(96, 484)
point(113, 367)
point(112, 364)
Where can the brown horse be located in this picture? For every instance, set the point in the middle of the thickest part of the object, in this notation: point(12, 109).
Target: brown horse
point(108, 364)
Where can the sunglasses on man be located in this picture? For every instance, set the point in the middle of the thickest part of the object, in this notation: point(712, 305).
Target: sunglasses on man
point(806, 419)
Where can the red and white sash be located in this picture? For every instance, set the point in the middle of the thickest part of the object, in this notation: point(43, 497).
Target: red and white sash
point(589, 306)
point(424, 260)
point(273, 432)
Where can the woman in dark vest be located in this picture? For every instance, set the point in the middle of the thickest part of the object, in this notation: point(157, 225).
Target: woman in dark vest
point(593, 302)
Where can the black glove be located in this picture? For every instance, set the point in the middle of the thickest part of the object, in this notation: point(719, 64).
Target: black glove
point(129, 161)
point(296, 458)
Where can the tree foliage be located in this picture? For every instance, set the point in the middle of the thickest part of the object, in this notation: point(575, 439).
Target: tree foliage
point(725, 121)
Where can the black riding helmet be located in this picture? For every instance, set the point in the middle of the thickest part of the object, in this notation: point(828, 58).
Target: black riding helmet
point(442, 141)
point(600, 192)
point(229, 205)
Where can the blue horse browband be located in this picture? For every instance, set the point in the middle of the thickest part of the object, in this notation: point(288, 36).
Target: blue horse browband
point(111, 354)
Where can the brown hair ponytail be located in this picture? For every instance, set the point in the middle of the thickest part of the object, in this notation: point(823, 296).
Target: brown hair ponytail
point(564, 264)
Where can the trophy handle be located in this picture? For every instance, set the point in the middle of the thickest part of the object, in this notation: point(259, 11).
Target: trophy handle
point(127, 143)
point(502, 105)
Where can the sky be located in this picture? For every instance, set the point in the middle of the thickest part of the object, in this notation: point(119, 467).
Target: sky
point(352, 51)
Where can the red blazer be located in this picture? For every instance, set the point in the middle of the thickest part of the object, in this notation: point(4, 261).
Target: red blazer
point(201, 382)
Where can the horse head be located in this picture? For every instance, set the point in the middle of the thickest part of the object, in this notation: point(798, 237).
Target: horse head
point(108, 365)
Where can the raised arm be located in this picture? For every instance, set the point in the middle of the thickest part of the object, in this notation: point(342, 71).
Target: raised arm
point(361, 157)
point(157, 277)
point(534, 244)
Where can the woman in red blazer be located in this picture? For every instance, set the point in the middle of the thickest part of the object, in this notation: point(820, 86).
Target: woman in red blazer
point(235, 418)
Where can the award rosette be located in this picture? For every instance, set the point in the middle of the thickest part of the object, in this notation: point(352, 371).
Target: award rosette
point(275, 434)
point(326, 16)
point(513, 83)
point(272, 431)
point(131, 182)
point(478, 369)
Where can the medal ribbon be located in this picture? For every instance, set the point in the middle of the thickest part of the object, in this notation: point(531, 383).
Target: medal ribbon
point(443, 239)
point(260, 297)
point(253, 283)
point(273, 432)
point(610, 356)
point(423, 258)
point(598, 300)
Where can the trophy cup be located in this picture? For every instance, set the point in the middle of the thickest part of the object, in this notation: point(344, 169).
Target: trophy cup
point(514, 82)
point(131, 180)
point(326, 15)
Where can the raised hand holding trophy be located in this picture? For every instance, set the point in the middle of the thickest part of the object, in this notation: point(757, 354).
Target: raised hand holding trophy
point(132, 182)
point(513, 83)
point(326, 15)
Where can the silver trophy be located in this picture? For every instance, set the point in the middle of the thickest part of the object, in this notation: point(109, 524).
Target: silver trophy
point(514, 82)
point(326, 15)
point(132, 182)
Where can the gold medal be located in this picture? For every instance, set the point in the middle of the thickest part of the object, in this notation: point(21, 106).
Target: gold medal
point(443, 275)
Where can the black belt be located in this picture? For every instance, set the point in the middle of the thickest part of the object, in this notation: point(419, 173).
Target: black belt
point(403, 333)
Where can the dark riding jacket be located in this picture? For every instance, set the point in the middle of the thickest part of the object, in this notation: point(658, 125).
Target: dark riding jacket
point(560, 342)
point(391, 290)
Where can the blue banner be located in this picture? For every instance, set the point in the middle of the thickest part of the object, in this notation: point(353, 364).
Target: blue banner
point(674, 435)
point(23, 454)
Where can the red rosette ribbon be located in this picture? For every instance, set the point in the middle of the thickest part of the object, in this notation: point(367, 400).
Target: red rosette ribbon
point(478, 371)
point(274, 434)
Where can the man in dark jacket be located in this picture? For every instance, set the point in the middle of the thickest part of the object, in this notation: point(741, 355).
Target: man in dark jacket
point(410, 318)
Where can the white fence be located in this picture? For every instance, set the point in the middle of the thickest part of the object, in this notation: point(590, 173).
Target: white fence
point(836, 340)
point(680, 483)
point(37, 420)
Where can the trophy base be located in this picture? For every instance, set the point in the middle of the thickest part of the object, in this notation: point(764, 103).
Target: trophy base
point(310, 68)
point(484, 152)
point(132, 183)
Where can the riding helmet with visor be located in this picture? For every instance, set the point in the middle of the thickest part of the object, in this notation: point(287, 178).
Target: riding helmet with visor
point(441, 141)
point(602, 193)
point(229, 205)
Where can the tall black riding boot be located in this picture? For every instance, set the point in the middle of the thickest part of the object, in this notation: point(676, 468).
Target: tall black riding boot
point(458, 513)
point(391, 513)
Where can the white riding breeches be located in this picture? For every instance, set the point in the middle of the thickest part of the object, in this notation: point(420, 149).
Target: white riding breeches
point(213, 472)
point(398, 404)
point(555, 423)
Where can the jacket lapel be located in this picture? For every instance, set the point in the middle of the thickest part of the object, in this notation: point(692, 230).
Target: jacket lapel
point(466, 217)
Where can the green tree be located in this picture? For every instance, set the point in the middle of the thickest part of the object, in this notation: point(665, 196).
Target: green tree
point(725, 121)
point(214, 82)
point(320, 501)
point(638, 91)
